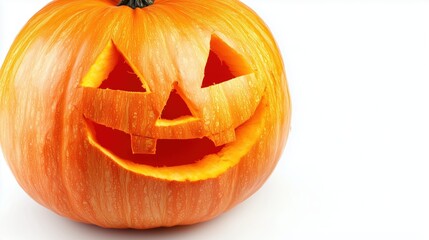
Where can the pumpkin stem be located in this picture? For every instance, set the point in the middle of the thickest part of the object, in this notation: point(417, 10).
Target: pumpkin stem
point(136, 3)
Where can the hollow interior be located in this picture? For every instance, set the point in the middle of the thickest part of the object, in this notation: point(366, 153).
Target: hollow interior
point(169, 152)
point(175, 108)
point(216, 71)
point(122, 77)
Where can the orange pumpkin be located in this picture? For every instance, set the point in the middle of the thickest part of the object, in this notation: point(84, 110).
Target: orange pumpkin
point(143, 115)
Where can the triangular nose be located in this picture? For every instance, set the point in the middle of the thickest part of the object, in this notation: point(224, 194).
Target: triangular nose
point(175, 108)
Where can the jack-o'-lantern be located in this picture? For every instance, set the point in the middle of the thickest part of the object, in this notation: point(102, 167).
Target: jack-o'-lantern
point(143, 114)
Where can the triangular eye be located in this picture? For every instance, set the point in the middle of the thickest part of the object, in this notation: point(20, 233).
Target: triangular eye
point(122, 77)
point(223, 64)
point(175, 108)
point(112, 71)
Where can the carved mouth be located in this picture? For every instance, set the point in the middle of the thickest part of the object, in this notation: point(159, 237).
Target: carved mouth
point(179, 159)
point(169, 152)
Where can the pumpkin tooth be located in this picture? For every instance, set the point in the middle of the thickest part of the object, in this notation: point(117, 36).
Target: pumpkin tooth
point(143, 145)
point(223, 137)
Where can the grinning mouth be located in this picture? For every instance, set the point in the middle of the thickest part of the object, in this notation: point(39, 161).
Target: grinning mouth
point(180, 159)
point(169, 152)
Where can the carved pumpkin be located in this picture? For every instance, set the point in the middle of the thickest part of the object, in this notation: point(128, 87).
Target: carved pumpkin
point(143, 115)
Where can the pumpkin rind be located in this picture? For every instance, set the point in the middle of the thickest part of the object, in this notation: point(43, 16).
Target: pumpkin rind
point(43, 105)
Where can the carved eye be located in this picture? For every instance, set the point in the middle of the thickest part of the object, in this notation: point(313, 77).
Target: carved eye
point(112, 71)
point(223, 64)
point(123, 77)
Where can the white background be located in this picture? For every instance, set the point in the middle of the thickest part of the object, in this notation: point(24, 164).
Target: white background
point(356, 165)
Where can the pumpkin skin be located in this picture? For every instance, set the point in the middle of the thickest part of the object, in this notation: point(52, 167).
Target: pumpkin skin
point(52, 99)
